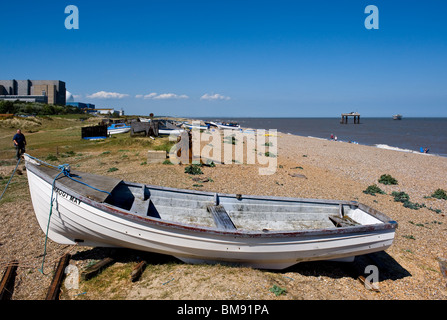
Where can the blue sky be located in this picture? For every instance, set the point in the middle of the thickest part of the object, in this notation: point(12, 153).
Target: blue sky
point(235, 58)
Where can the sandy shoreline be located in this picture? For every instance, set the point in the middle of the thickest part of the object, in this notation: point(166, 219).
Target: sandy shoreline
point(327, 169)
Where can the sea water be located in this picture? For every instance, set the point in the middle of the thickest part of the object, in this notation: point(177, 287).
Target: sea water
point(408, 134)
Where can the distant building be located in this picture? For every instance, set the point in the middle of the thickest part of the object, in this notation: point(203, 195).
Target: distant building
point(110, 111)
point(45, 91)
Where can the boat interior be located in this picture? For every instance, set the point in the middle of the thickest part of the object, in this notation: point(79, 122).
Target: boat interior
point(235, 212)
point(221, 211)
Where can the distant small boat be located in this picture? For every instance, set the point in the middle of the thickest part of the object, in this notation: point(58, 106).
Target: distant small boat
point(116, 128)
point(397, 117)
point(194, 126)
point(168, 131)
point(168, 127)
point(223, 125)
point(196, 226)
point(228, 125)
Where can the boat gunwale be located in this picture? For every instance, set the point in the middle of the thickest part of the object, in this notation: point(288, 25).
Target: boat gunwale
point(386, 222)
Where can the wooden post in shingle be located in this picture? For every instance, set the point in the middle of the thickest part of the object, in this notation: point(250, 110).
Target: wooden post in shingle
point(7, 283)
point(53, 292)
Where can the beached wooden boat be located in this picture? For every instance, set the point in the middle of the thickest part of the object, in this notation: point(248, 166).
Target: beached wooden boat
point(195, 226)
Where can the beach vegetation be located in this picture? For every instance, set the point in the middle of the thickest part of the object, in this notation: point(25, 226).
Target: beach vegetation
point(413, 205)
point(387, 179)
point(68, 154)
point(416, 224)
point(277, 290)
point(435, 210)
point(51, 157)
point(373, 189)
point(193, 169)
point(165, 145)
point(212, 164)
point(405, 199)
point(400, 196)
point(167, 161)
point(112, 169)
point(439, 194)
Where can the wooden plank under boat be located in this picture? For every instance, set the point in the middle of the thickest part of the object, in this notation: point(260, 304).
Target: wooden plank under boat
point(197, 226)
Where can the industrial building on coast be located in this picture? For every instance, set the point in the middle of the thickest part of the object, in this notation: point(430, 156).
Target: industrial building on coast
point(48, 92)
point(44, 91)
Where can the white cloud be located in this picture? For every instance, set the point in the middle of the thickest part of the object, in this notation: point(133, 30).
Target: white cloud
point(215, 96)
point(107, 95)
point(162, 96)
point(150, 95)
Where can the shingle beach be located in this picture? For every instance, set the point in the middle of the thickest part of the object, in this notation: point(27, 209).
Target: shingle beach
point(306, 168)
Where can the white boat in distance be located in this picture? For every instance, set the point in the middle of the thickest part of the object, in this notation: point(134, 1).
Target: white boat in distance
point(197, 227)
point(194, 126)
point(167, 127)
point(116, 128)
point(224, 125)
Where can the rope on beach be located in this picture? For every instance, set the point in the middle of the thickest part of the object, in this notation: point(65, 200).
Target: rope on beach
point(18, 162)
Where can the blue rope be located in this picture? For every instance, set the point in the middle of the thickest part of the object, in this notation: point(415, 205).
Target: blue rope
point(48, 225)
point(10, 179)
point(67, 174)
point(65, 168)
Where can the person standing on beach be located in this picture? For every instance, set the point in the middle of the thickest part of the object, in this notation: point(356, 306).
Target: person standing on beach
point(19, 143)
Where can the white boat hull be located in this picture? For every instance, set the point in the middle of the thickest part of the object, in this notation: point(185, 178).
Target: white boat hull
point(77, 219)
point(117, 131)
point(176, 132)
point(224, 127)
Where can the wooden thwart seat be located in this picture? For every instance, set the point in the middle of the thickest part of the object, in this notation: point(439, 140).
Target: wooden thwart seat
point(221, 217)
point(343, 222)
